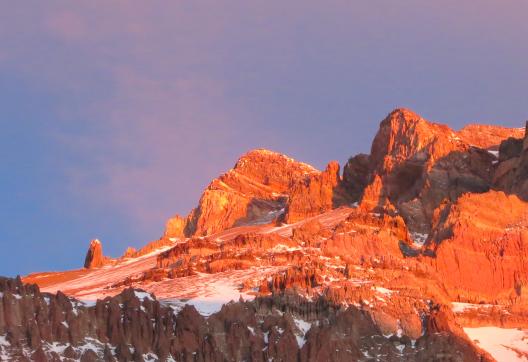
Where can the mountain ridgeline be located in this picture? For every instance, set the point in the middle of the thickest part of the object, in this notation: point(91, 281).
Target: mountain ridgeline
point(399, 256)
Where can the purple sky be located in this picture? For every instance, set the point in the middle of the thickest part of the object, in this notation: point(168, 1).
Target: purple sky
point(115, 115)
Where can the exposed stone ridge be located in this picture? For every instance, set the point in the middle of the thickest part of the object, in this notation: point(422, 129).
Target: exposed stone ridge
point(430, 217)
point(414, 164)
point(134, 326)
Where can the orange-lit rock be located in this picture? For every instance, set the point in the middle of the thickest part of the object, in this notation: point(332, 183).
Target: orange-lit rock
point(487, 136)
point(416, 164)
point(174, 228)
point(481, 247)
point(94, 256)
point(430, 218)
point(255, 190)
point(316, 194)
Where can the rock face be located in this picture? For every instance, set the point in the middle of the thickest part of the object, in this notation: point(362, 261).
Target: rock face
point(415, 165)
point(255, 190)
point(511, 173)
point(471, 234)
point(134, 326)
point(175, 227)
point(486, 136)
point(94, 256)
point(315, 194)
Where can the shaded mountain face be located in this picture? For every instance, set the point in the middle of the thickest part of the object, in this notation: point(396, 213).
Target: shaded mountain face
point(135, 326)
point(419, 240)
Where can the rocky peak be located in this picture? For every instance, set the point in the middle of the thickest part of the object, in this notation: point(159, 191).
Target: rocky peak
point(404, 135)
point(94, 256)
point(271, 168)
point(416, 164)
point(255, 190)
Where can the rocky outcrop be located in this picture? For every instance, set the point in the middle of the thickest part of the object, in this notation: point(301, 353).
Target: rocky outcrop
point(413, 166)
point(511, 172)
point(363, 235)
point(255, 190)
point(487, 233)
point(94, 256)
point(134, 326)
point(416, 164)
point(316, 194)
point(356, 175)
point(175, 227)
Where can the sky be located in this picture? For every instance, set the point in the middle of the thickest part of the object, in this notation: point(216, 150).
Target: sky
point(115, 116)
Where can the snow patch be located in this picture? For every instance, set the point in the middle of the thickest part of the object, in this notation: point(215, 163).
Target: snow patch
point(383, 290)
point(143, 295)
point(494, 153)
point(217, 293)
point(419, 239)
point(150, 357)
point(458, 307)
point(501, 343)
point(303, 327)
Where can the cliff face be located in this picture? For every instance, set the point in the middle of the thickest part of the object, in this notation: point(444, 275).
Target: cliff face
point(473, 235)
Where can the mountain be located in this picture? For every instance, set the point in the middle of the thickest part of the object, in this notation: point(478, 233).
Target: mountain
point(414, 252)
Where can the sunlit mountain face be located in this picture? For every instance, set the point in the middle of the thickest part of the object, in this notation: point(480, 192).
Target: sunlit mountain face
point(411, 252)
point(221, 181)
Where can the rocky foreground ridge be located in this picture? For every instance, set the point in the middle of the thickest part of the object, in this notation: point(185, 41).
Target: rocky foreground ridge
point(134, 326)
point(432, 222)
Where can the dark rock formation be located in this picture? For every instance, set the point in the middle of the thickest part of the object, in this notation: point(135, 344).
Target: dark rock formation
point(134, 326)
point(511, 173)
